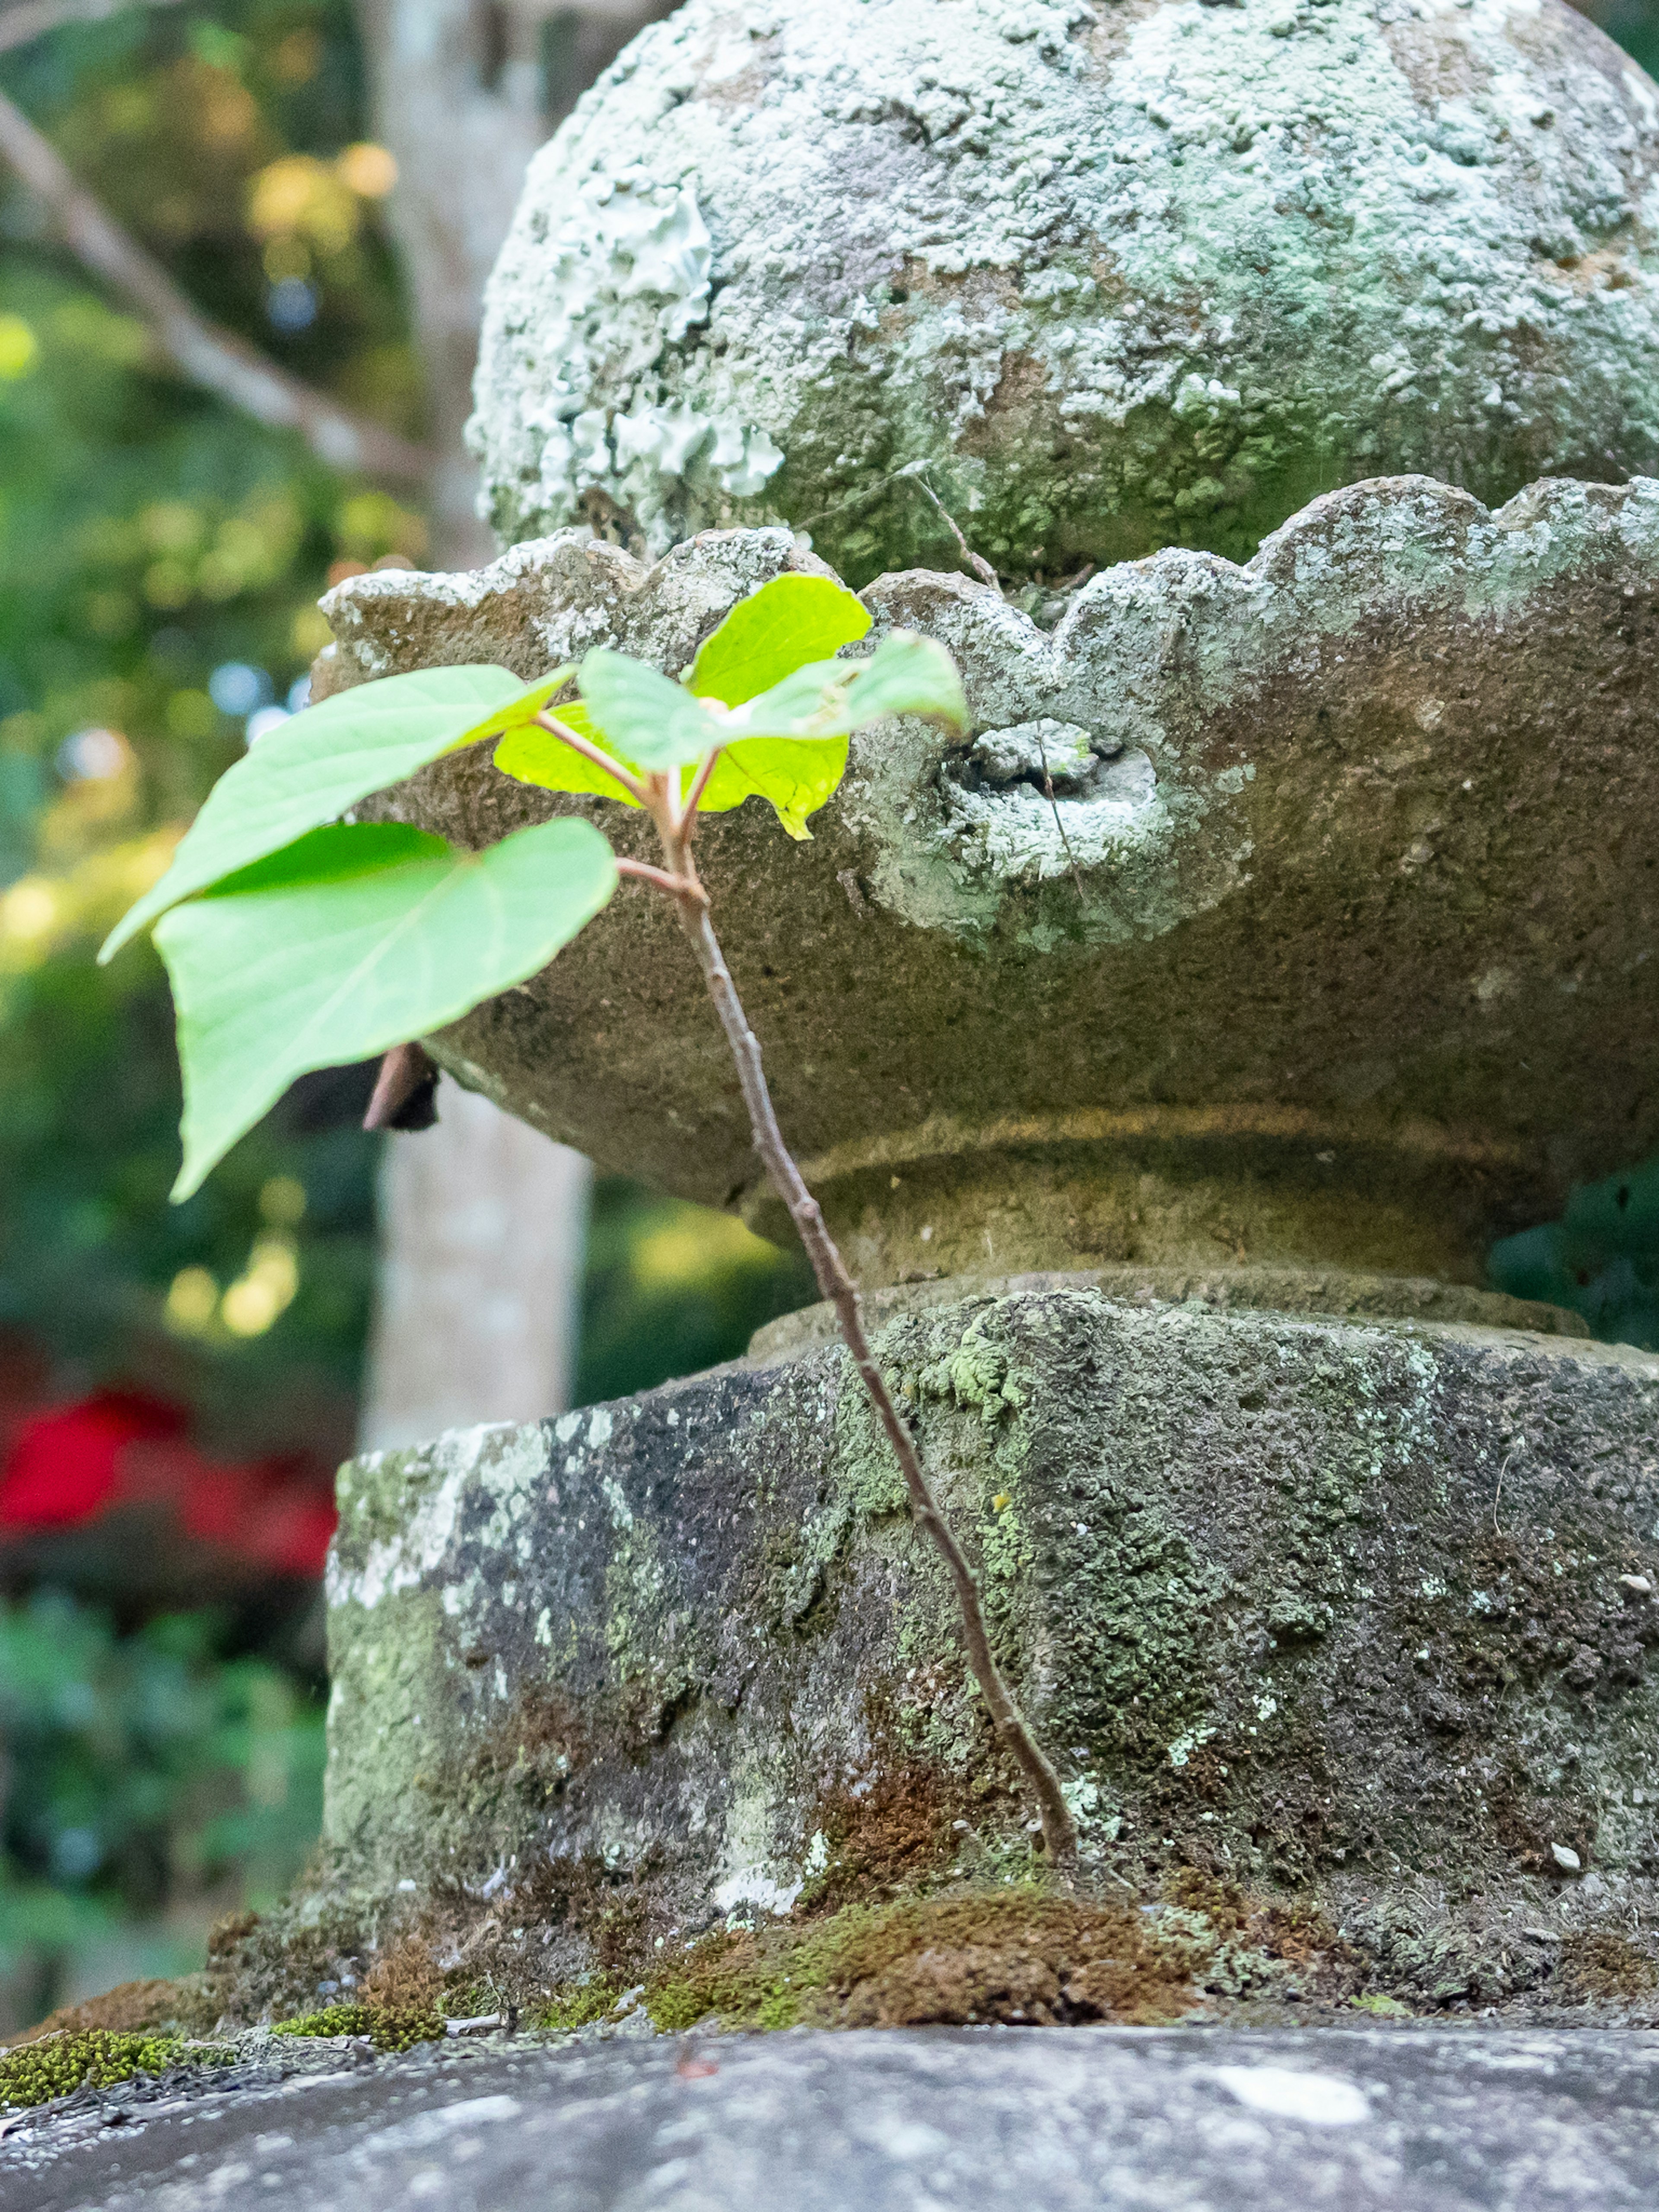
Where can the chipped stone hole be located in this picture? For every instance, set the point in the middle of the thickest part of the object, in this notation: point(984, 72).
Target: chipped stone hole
point(1027, 752)
point(1003, 791)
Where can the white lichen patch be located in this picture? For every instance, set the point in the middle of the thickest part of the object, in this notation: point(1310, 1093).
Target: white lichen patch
point(627, 279)
point(490, 1473)
point(1115, 277)
point(1189, 1740)
point(751, 1881)
point(1024, 835)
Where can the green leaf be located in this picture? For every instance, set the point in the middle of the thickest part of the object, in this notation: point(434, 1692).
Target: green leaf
point(643, 714)
point(798, 769)
point(791, 619)
point(536, 756)
point(765, 638)
point(795, 775)
point(908, 675)
point(352, 940)
point(787, 746)
point(322, 762)
point(768, 635)
point(905, 675)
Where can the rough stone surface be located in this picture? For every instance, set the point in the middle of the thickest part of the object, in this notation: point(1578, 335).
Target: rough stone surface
point(1117, 274)
point(1364, 829)
point(1335, 1293)
point(1355, 1612)
point(1078, 2120)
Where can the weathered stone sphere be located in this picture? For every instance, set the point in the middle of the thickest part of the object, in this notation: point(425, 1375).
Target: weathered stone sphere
point(1104, 277)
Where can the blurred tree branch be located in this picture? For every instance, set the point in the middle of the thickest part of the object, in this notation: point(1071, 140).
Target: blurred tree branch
point(210, 356)
point(32, 18)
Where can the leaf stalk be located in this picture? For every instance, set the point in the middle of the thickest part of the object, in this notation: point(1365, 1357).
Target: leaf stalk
point(596, 754)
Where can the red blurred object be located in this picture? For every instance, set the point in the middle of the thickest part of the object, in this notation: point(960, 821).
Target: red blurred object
point(63, 1466)
point(120, 1466)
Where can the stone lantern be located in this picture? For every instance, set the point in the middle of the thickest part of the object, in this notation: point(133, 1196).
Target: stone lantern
point(1166, 1051)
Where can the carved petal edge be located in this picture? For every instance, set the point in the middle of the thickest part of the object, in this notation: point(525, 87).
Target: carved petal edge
point(1195, 678)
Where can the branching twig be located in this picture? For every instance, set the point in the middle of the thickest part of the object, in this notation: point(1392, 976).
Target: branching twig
point(674, 830)
point(679, 887)
point(913, 472)
point(209, 357)
point(980, 566)
point(705, 768)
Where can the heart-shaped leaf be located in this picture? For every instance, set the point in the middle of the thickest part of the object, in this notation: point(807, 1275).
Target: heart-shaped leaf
point(323, 760)
point(794, 775)
point(787, 746)
point(351, 940)
point(765, 638)
point(905, 675)
point(768, 635)
point(799, 770)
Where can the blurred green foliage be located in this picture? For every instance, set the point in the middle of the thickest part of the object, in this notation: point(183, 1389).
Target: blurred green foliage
point(672, 1288)
point(140, 1772)
point(1601, 1259)
point(152, 538)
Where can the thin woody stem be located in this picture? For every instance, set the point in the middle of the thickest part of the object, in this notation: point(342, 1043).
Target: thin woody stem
point(1058, 1829)
point(676, 886)
point(1054, 808)
point(699, 784)
point(600, 758)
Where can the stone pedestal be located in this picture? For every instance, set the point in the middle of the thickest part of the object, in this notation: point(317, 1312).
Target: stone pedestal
point(1331, 947)
point(1357, 1612)
point(1087, 2120)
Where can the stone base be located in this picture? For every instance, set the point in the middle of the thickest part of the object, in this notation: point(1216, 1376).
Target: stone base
point(1082, 2121)
point(1347, 1620)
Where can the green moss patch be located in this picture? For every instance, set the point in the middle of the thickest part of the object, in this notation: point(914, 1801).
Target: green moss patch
point(1017, 1955)
point(575, 2004)
point(388, 2027)
point(332, 2019)
point(55, 2065)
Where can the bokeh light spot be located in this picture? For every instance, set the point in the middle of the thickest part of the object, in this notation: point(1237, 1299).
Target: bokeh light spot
point(19, 348)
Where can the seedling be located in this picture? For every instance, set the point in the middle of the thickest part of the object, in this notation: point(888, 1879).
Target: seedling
point(296, 940)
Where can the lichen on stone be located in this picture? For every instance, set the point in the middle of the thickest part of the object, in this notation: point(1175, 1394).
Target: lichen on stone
point(1105, 278)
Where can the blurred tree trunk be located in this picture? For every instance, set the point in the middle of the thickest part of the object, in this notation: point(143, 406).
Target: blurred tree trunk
point(483, 1220)
point(483, 1223)
point(462, 126)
